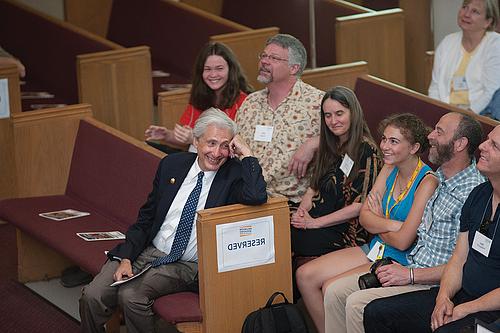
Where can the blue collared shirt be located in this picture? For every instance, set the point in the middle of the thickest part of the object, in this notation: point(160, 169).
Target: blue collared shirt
point(438, 231)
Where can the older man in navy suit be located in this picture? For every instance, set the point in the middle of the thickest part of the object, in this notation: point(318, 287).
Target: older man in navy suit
point(164, 237)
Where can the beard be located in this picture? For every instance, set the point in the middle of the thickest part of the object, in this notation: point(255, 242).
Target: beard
point(443, 153)
point(263, 78)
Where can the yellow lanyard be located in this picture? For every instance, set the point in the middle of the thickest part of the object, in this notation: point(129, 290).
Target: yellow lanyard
point(402, 194)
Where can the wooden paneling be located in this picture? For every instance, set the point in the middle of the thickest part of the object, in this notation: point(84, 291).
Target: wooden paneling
point(43, 143)
point(36, 261)
point(418, 39)
point(380, 41)
point(227, 298)
point(118, 84)
point(327, 77)
point(171, 105)
point(427, 77)
point(247, 45)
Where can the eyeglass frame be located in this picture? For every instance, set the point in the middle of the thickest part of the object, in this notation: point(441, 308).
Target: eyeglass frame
point(271, 57)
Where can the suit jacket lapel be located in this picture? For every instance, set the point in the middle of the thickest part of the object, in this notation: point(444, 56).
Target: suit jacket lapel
point(217, 189)
point(177, 170)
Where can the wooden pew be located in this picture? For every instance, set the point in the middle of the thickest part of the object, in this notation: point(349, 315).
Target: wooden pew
point(344, 32)
point(157, 23)
point(171, 104)
point(380, 98)
point(116, 80)
point(418, 36)
point(41, 146)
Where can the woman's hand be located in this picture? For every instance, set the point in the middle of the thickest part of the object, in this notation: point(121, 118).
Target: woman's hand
point(156, 133)
point(183, 134)
point(302, 220)
point(374, 202)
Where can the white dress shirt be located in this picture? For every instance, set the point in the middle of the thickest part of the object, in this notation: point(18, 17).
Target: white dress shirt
point(165, 237)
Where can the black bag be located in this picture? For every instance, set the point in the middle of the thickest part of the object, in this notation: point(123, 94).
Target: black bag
point(275, 318)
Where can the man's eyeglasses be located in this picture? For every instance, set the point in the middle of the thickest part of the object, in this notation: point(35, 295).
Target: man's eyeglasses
point(270, 57)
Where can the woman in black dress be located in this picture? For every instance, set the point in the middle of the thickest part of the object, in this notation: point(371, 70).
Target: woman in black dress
point(345, 168)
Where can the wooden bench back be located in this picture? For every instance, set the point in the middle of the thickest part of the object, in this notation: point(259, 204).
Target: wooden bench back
point(175, 32)
point(47, 47)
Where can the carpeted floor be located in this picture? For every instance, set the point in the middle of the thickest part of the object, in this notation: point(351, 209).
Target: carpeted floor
point(21, 310)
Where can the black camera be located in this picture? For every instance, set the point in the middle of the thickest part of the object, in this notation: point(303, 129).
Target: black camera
point(370, 280)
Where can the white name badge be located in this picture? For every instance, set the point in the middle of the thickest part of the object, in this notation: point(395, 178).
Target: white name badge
point(346, 165)
point(377, 251)
point(263, 133)
point(481, 244)
point(459, 83)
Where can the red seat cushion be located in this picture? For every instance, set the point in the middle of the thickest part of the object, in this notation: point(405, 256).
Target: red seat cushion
point(179, 307)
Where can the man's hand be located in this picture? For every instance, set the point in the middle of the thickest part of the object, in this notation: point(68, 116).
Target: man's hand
point(156, 133)
point(238, 147)
point(459, 312)
point(393, 275)
point(124, 270)
point(443, 312)
point(183, 134)
point(302, 157)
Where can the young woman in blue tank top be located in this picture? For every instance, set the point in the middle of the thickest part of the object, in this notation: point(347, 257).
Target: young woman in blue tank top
point(392, 212)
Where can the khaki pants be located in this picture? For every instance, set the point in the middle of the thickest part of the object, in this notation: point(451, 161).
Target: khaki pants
point(344, 303)
point(99, 300)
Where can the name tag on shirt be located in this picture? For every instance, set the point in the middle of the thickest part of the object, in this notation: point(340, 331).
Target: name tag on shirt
point(346, 165)
point(481, 244)
point(377, 252)
point(460, 83)
point(263, 133)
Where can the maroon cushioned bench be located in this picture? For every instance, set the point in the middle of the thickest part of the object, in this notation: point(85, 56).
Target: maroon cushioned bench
point(110, 178)
point(48, 48)
point(174, 31)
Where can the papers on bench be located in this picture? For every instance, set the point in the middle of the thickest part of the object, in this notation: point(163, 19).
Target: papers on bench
point(62, 215)
point(159, 73)
point(46, 106)
point(100, 235)
point(127, 279)
point(36, 94)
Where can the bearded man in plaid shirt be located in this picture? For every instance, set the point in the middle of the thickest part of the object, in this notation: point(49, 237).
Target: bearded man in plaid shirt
point(453, 142)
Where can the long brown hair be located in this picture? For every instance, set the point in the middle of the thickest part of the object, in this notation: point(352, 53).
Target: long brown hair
point(202, 97)
point(330, 149)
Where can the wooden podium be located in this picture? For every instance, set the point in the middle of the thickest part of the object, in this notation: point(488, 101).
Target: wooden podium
point(226, 298)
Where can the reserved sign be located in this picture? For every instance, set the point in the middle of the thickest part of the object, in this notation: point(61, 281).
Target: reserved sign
point(245, 244)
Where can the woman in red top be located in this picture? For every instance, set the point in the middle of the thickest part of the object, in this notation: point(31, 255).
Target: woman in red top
point(218, 81)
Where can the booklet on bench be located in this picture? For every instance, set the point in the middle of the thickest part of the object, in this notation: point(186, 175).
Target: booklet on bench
point(127, 279)
point(65, 214)
point(100, 235)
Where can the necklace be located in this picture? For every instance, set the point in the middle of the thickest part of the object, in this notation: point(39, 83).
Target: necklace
point(403, 193)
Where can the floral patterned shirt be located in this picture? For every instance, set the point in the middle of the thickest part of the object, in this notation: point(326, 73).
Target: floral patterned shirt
point(295, 120)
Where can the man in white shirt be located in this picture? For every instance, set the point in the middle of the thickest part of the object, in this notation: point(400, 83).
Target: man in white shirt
point(163, 235)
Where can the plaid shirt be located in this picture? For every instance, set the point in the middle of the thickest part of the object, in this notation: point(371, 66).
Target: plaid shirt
point(438, 231)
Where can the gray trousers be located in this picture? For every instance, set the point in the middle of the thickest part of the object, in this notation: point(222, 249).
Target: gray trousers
point(99, 300)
